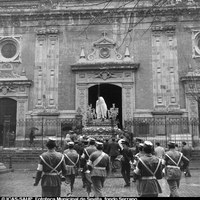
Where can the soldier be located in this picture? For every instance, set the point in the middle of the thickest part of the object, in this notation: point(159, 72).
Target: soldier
point(138, 155)
point(83, 161)
point(72, 163)
point(148, 170)
point(98, 164)
point(85, 156)
point(51, 164)
point(172, 161)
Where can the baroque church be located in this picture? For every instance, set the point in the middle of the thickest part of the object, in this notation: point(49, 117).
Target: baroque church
point(58, 56)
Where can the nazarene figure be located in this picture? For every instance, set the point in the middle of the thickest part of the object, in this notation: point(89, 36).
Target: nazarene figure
point(101, 108)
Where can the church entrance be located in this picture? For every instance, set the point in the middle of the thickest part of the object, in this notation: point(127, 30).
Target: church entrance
point(112, 94)
point(8, 110)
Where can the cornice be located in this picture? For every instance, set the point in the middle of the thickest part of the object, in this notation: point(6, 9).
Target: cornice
point(62, 8)
point(107, 66)
point(16, 82)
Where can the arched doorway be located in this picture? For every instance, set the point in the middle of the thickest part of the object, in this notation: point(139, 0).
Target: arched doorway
point(112, 94)
point(8, 110)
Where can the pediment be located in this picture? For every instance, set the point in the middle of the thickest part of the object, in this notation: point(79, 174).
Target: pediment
point(104, 42)
point(105, 53)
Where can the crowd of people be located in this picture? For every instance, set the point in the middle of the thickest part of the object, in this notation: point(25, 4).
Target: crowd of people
point(94, 161)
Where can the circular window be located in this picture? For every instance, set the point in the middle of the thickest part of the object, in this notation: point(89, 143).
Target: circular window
point(8, 50)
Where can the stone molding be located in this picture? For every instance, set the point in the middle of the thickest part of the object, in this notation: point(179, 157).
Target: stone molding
point(60, 9)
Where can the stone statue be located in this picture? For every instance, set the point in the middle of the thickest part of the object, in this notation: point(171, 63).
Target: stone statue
point(101, 108)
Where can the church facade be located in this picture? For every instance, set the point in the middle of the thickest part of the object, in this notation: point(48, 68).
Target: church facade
point(57, 57)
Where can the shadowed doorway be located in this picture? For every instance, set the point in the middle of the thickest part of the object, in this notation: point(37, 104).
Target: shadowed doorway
point(8, 109)
point(112, 94)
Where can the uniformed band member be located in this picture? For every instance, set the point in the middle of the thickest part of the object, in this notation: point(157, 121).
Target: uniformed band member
point(138, 155)
point(172, 161)
point(98, 164)
point(83, 163)
point(148, 170)
point(51, 165)
point(85, 156)
point(72, 164)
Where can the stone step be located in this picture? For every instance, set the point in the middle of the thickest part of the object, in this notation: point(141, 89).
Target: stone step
point(33, 155)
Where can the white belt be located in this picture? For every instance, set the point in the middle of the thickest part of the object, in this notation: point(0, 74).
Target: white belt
point(99, 168)
point(53, 174)
point(69, 165)
point(173, 166)
point(148, 177)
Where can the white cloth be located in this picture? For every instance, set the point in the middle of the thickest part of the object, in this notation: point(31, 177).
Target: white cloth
point(120, 143)
point(101, 108)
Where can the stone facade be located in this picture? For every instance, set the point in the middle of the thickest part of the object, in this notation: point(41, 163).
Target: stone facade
point(53, 51)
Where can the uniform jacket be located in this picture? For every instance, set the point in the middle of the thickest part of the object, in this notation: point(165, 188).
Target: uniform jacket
point(102, 167)
point(175, 155)
point(88, 151)
point(71, 161)
point(85, 156)
point(147, 182)
point(52, 158)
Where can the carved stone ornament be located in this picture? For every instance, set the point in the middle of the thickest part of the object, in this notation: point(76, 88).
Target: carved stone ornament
point(105, 75)
point(104, 50)
point(6, 89)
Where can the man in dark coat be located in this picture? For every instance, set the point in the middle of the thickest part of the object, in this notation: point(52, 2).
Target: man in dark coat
point(148, 170)
point(106, 146)
point(32, 137)
point(72, 164)
point(126, 161)
point(113, 152)
point(98, 164)
point(187, 152)
point(52, 165)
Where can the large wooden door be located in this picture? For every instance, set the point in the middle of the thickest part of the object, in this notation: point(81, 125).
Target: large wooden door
point(8, 109)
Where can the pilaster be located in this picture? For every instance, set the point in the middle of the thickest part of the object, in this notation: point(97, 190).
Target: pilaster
point(165, 68)
point(46, 70)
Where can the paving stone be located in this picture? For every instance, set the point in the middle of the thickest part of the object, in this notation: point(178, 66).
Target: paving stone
point(20, 183)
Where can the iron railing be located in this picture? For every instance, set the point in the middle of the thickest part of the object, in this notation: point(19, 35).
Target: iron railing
point(150, 128)
point(165, 129)
point(42, 128)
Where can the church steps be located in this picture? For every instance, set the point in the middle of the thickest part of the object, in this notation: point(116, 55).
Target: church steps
point(33, 155)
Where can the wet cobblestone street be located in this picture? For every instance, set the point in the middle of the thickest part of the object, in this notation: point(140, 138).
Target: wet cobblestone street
point(20, 183)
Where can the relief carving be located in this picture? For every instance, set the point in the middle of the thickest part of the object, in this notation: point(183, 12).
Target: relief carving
point(7, 89)
point(105, 75)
